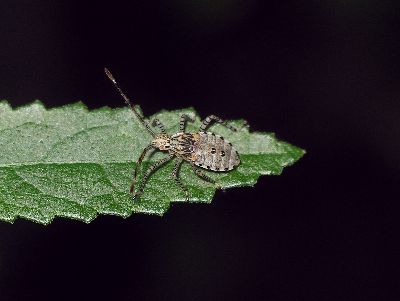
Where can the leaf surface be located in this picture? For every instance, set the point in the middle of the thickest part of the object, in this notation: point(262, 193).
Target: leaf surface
point(75, 163)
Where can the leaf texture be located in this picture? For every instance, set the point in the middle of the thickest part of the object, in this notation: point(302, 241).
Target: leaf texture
point(75, 163)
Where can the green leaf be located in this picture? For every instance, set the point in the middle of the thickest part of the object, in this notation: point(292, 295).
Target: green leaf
point(74, 163)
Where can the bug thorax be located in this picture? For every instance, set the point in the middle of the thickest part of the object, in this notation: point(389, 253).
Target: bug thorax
point(162, 142)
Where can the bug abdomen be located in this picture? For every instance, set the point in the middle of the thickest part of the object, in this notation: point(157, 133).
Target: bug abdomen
point(213, 152)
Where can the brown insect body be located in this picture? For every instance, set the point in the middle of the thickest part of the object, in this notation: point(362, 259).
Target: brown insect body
point(201, 149)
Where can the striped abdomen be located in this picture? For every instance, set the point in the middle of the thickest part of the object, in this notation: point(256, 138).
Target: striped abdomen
point(213, 152)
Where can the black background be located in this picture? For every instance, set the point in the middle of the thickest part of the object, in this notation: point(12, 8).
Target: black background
point(324, 75)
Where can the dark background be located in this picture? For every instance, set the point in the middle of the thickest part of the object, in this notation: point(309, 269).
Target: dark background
point(324, 75)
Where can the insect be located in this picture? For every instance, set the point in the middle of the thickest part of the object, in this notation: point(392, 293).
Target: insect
point(202, 150)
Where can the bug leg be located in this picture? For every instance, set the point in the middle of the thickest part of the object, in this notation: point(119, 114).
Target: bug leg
point(207, 122)
point(157, 122)
point(138, 163)
point(182, 122)
point(149, 171)
point(175, 174)
point(202, 175)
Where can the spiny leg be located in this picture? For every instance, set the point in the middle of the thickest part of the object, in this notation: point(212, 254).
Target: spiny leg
point(207, 122)
point(175, 174)
point(202, 175)
point(157, 122)
point(182, 122)
point(149, 171)
point(138, 163)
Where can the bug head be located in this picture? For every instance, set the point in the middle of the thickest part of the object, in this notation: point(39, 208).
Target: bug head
point(162, 142)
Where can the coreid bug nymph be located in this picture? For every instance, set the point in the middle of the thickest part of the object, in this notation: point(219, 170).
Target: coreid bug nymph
point(201, 149)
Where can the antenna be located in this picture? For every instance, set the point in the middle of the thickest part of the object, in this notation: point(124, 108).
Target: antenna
point(128, 102)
